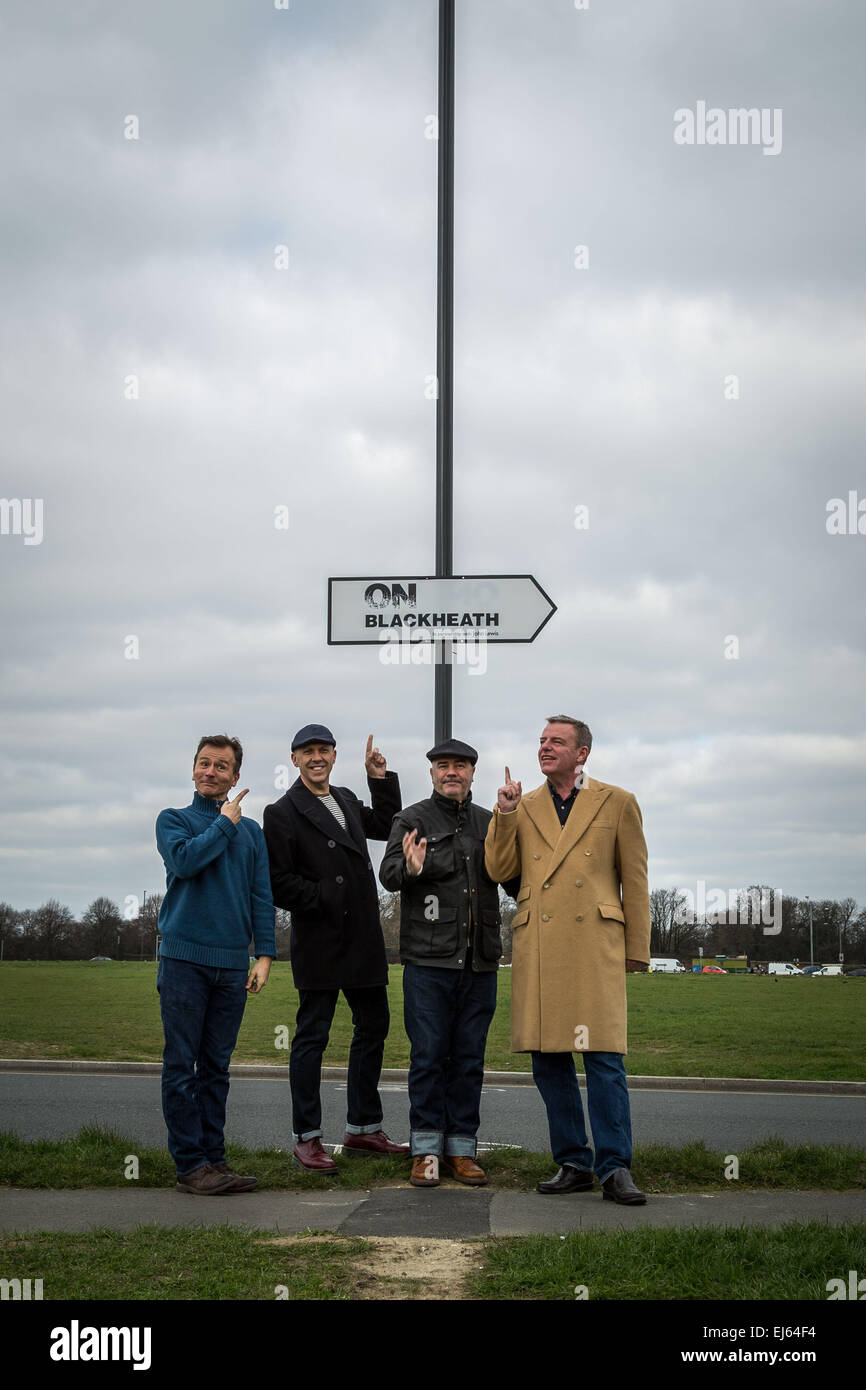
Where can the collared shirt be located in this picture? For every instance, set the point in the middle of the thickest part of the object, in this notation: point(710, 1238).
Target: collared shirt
point(563, 805)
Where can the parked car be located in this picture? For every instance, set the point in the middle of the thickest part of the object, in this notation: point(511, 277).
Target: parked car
point(713, 970)
point(822, 970)
point(783, 967)
point(100, 958)
point(858, 971)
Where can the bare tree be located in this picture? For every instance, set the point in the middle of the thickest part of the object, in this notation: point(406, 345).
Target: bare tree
point(673, 930)
point(101, 923)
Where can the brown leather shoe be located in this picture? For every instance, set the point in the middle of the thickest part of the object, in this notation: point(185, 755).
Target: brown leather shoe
point(618, 1187)
point(465, 1170)
point(309, 1154)
point(425, 1170)
point(376, 1144)
point(239, 1184)
point(204, 1182)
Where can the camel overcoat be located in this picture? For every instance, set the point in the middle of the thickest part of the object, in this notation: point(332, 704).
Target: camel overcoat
point(582, 910)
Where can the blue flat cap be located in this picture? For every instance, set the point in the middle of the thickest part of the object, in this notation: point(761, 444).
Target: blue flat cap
point(313, 733)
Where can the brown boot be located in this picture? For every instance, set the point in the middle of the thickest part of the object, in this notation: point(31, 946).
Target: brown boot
point(204, 1182)
point(425, 1170)
point(239, 1184)
point(465, 1170)
point(310, 1155)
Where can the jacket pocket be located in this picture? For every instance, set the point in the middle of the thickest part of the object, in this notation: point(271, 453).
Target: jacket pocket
point(489, 942)
point(612, 911)
point(434, 939)
point(524, 893)
point(520, 919)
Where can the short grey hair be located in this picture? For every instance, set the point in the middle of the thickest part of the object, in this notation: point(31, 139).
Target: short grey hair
point(581, 730)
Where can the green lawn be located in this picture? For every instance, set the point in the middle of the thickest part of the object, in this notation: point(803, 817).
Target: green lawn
point(794, 1262)
point(98, 1158)
point(686, 1025)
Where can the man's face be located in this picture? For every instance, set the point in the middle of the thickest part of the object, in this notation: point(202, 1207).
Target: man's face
point(213, 772)
point(452, 777)
point(558, 753)
point(314, 762)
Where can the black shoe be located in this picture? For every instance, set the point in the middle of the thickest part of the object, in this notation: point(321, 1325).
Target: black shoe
point(620, 1188)
point(568, 1179)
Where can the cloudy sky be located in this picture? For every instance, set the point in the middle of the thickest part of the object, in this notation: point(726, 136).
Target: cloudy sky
point(693, 378)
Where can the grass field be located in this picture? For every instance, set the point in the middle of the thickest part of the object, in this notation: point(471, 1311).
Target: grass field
point(157, 1263)
point(687, 1025)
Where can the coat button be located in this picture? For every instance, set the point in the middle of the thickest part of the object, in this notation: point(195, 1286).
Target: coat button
point(578, 883)
point(545, 885)
point(331, 844)
point(580, 916)
point(536, 856)
point(369, 865)
point(587, 852)
point(545, 918)
point(339, 878)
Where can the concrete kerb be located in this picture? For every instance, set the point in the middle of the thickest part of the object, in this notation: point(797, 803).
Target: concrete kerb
point(398, 1076)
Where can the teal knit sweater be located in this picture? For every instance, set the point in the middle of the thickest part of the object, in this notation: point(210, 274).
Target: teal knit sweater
point(218, 888)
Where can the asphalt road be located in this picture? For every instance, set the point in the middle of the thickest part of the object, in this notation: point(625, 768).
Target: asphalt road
point(48, 1106)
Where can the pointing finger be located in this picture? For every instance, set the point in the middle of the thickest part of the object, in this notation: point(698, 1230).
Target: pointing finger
point(369, 744)
point(507, 775)
point(240, 796)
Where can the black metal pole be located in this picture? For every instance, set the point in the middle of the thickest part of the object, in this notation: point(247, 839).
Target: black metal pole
point(445, 355)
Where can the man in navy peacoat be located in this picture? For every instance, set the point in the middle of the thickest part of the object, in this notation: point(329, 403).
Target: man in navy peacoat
point(321, 872)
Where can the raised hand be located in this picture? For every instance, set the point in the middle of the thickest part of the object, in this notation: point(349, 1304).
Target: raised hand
point(415, 851)
point(508, 797)
point(232, 809)
point(374, 761)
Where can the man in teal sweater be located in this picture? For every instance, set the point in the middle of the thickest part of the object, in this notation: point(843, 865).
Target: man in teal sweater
point(217, 901)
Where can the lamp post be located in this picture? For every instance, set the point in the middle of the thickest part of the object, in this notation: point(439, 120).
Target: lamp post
point(811, 943)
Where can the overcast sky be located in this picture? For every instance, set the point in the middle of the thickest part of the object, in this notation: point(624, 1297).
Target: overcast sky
point(695, 382)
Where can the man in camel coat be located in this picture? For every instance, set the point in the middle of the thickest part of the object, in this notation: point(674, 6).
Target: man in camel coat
point(582, 923)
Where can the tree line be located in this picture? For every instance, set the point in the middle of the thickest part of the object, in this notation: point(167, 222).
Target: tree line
point(51, 932)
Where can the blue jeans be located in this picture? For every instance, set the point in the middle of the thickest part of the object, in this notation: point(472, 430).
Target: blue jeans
point(447, 1014)
point(202, 1007)
point(609, 1110)
point(371, 1019)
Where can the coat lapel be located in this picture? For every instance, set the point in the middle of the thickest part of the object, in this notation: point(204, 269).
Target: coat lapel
point(316, 811)
point(590, 800)
point(539, 807)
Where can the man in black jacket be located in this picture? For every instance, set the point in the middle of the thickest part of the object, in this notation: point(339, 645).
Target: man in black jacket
point(321, 872)
point(450, 948)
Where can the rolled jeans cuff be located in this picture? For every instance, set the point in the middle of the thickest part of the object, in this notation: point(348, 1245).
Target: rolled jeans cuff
point(460, 1146)
point(308, 1134)
point(363, 1129)
point(426, 1141)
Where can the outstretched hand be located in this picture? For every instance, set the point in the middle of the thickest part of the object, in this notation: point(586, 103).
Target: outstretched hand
point(415, 851)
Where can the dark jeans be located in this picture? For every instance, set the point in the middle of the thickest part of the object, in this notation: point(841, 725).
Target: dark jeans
point(202, 1007)
point(609, 1110)
point(447, 1015)
point(371, 1018)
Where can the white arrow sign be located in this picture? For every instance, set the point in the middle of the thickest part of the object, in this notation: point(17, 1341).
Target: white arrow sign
point(468, 607)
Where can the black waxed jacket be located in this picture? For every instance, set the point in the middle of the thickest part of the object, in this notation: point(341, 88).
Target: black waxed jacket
point(453, 899)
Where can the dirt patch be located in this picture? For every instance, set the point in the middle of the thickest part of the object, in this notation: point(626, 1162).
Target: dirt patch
point(405, 1268)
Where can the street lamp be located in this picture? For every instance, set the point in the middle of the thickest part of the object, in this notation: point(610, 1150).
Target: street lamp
point(811, 943)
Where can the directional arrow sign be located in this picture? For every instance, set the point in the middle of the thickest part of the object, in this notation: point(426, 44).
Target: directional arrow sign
point(468, 607)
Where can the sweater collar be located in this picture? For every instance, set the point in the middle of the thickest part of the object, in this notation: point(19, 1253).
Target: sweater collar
point(205, 806)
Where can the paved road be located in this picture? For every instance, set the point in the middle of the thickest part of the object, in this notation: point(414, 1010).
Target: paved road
point(47, 1106)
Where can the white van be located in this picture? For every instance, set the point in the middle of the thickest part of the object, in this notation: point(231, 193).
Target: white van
point(783, 967)
point(667, 965)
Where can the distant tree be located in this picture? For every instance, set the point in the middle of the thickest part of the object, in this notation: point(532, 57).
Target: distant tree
point(673, 931)
point(101, 925)
point(10, 930)
point(283, 932)
point(49, 929)
point(389, 916)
